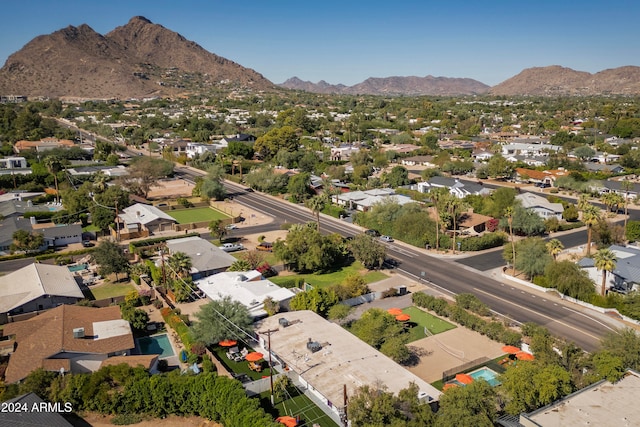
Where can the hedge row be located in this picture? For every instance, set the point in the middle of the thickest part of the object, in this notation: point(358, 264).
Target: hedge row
point(491, 328)
point(173, 319)
point(488, 241)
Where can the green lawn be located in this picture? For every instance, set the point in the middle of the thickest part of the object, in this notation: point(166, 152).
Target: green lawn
point(297, 405)
point(328, 279)
point(188, 216)
point(420, 319)
point(110, 290)
point(239, 367)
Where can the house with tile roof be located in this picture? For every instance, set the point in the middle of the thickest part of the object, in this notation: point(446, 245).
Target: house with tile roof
point(37, 287)
point(540, 205)
point(539, 177)
point(68, 338)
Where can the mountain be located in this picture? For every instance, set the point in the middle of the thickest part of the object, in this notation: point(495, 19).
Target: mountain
point(560, 81)
point(429, 85)
point(135, 60)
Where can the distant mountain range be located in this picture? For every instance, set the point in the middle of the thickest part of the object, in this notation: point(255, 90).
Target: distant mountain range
point(142, 59)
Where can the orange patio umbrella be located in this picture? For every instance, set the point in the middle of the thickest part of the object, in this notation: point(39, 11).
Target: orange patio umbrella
point(253, 357)
point(449, 386)
point(523, 355)
point(288, 421)
point(227, 343)
point(464, 378)
point(403, 317)
point(394, 311)
point(511, 349)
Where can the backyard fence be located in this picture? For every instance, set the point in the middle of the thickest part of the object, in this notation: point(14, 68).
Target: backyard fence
point(450, 374)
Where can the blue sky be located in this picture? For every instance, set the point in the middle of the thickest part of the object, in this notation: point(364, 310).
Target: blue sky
point(349, 41)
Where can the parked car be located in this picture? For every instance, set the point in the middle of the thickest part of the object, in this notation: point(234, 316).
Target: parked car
point(231, 247)
point(386, 239)
point(265, 246)
point(372, 233)
point(230, 227)
point(87, 244)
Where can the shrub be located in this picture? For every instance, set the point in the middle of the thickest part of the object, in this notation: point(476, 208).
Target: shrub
point(487, 241)
point(391, 292)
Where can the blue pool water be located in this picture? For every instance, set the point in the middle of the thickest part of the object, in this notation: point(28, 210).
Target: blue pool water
point(485, 374)
point(156, 344)
point(77, 267)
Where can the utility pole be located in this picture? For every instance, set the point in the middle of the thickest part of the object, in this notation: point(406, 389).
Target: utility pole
point(268, 333)
point(344, 417)
point(117, 223)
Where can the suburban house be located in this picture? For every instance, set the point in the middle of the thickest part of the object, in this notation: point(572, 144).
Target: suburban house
point(44, 144)
point(610, 168)
point(37, 287)
point(540, 205)
point(248, 288)
point(14, 166)
point(325, 358)
point(625, 277)
point(473, 223)
point(15, 208)
point(529, 149)
point(547, 177)
point(456, 187)
point(342, 152)
point(618, 186)
point(198, 148)
point(69, 338)
point(60, 235)
point(140, 220)
point(602, 403)
point(240, 137)
point(112, 171)
point(419, 161)
point(8, 226)
point(365, 200)
point(206, 258)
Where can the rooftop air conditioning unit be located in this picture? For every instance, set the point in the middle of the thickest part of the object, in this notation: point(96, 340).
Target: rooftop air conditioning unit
point(78, 332)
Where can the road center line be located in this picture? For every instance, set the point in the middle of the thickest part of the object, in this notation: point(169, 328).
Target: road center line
point(537, 313)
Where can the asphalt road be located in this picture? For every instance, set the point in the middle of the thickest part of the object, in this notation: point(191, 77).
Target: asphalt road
point(452, 277)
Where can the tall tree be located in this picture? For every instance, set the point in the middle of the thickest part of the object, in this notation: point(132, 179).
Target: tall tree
point(438, 196)
point(54, 165)
point(604, 260)
point(316, 204)
point(367, 250)
point(180, 265)
point(220, 320)
point(590, 217)
point(509, 214)
point(626, 186)
point(217, 229)
point(554, 246)
point(110, 258)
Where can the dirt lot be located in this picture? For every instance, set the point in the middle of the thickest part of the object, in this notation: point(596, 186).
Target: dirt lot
point(450, 349)
point(170, 189)
point(97, 420)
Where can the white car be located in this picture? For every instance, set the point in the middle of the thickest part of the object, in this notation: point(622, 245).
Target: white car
point(230, 227)
point(386, 239)
point(231, 247)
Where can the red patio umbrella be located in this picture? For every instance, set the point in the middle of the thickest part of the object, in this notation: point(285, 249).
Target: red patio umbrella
point(511, 349)
point(394, 311)
point(253, 357)
point(403, 317)
point(288, 421)
point(227, 343)
point(523, 355)
point(464, 378)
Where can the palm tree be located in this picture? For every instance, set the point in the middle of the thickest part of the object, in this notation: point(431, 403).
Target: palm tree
point(626, 186)
point(100, 182)
point(509, 214)
point(604, 260)
point(54, 165)
point(590, 217)
point(180, 264)
point(455, 206)
point(316, 204)
point(554, 246)
point(437, 196)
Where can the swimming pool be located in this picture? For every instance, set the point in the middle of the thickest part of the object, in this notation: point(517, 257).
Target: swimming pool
point(77, 267)
point(156, 344)
point(486, 374)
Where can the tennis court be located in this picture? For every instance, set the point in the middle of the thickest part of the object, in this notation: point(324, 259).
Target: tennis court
point(188, 216)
